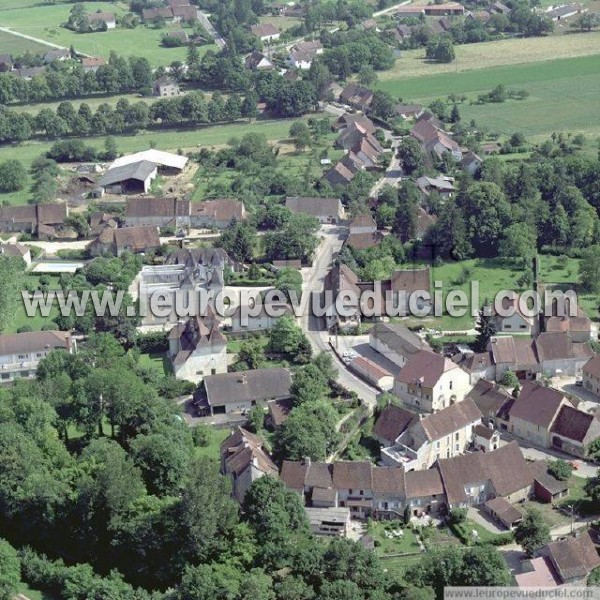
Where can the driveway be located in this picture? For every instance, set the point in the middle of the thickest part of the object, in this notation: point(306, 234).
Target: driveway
point(332, 239)
point(480, 517)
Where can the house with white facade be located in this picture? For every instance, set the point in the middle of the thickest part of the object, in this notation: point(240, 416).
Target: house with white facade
point(443, 434)
point(21, 353)
point(429, 382)
point(197, 348)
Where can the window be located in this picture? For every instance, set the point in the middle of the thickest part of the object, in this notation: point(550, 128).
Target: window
point(362, 493)
point(350, 491)
point(213, 371)
point(456, 436)
point(450, 384)
point(40, 354)
point(22, 356)
point(437, 445)
point(507, 326)
point(457, 447)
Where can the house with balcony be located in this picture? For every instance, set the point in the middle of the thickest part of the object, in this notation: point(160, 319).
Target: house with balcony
point(443, 434)
point(21, 353)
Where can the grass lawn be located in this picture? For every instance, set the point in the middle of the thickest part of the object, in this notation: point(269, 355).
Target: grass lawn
point(157, 362)
point(492, 276)
point(584, 506)
point(215, 438)
point(467, 528)
point(562, 93)
point(15, 45)
point(396, 545)
point(44, 21)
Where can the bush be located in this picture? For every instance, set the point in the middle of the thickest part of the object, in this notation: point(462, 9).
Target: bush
point(457, 516)
point(560, 469)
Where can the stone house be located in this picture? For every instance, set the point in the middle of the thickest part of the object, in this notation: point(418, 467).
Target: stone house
point(430, 382)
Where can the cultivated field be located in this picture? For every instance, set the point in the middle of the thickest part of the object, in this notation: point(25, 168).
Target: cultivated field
point(486, 55)
point(563, 95)
point(44, 21)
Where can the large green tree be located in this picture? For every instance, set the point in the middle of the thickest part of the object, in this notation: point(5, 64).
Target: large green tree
point(532, 532)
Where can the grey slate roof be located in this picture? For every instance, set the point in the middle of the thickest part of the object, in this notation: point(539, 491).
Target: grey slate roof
point(139, 170)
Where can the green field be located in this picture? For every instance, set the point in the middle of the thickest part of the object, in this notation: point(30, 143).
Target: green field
point(43, 21)
point(563, 95)
point(14, 45)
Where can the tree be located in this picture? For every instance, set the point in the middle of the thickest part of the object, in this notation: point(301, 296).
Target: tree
point(212, 581)
point(300, 133)
point(238, 240)
point(440, 49)
point(453, 566)
point(10, 571)
point(532, 532)
point(309, 431)
point(519, 242)
point(13, 176)
point(383, 105)
point(251, 353)
point(586, 21)
point(367, 75)
point(308, 385)
point(110, 148)
point(458, 516)
point(509, 379)
point(411, 155)
point(485, 328)
point(560, 469)
point(589, 269)
point(592, 487)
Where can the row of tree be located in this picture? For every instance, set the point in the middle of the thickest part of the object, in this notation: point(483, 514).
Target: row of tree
point(69, 80)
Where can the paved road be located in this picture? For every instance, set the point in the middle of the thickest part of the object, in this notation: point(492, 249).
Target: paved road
point(393, 173)
point(216, 36)
point(333, 238)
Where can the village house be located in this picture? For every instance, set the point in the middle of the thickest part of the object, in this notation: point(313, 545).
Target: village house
point(363, 232)
point(485, 438)
point(257, 61)
point(131, 239)
point(473, 479)
point(92, 63)
point(407, 287)
point(216, 214)
point(6, 63)
point(16, 250)
point(471, 163)
point(534, 412)
point(43, 220)
point(342, 173)
point(327, 210)
point(558, 13)
point(401, 33)
point(394, 341)
point(240, 319)
point(238, 393)
point(514, 353)
point(244, 460)
point(558, 355)
point(444, 434)
point(564, 563)
point(516, 320)
point(266, 32)
point(303, 53)
point(165, 86)
point(450, 9)
point(386, 492)
point(279, 411)
point(21, 353)
point(546, 487)
point(479, 365)
point(502, 511)
point(101, 20)
point(329, 521)
point(435, 141)
point(355, 132)
point(362, 223)
point(197, 348)
point(408, 111)
point(340, 279)
point(491, 400)
point(429, 382)
point(357, 96)
point(391, 423)
point(444, 186)
point(578, 326)
point(352, 121)
point(159, 13)
point(591, 375)
point(373, 373)
point(159, 212)
point(60, 54)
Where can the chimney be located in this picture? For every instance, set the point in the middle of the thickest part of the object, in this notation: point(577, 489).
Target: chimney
point(307, 461)
point(243, 379)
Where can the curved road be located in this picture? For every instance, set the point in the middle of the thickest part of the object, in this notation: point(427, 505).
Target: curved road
point(332, 240)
